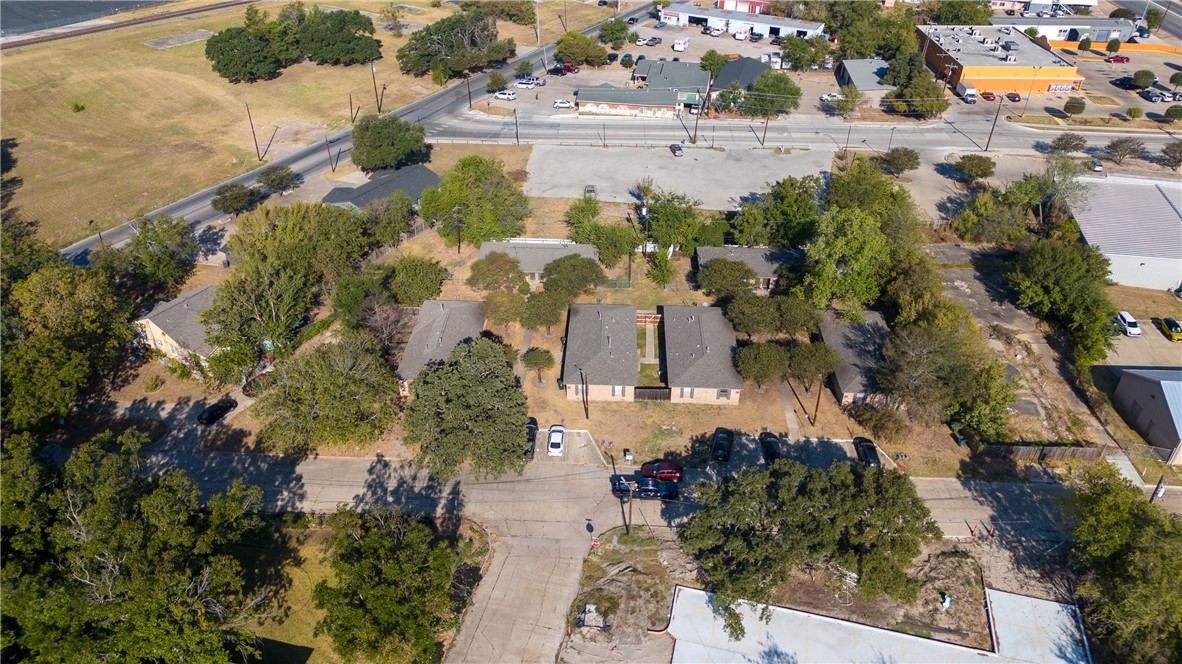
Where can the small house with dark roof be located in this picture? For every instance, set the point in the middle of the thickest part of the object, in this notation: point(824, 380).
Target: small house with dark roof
point(534, 254)
point(743, 71)
point(441, 326)
point(411, 180)
point(699, 353)
point(859, 351)
point(175, 329)
point(668, 88)
point(600, 358)
point(866, 75)
point(765, 261)
point(1151, 400)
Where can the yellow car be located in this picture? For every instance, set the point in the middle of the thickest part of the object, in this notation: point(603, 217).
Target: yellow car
point(1172, 329)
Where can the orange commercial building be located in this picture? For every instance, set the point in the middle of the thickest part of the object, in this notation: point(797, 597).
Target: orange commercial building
point(996, 59)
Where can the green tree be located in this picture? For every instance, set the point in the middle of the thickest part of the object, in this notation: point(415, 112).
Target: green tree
point(415, 280)
point(672, 219)
point(1075, 106)
point(467, 409)
point(520, 12)
point(977, 12)
point(234, 198)
point(476, 202)
point(764, 363)
point(1065, 282)
point(545, 309)
point(582, 211)
point(660, 269)
point(496, 81)
point(572, 275)
point(612, 243)
point(1154, 18)
point(1171, 155)
point(391, 17)
point(976, 167)
point(578, 49)
point(504, 308)
point(283, 38)
point(921, 96)
point(847, 260)
point(1143, 78)
point(713, 62)
point(524, 68)
point(389, 597)
point(497, 271)
point(851, 102)
point(901, 160)
point(1031, 32)
point(729, 98)
point(539, 360)
point(386, 219)
point(341, 37)
point(1119, 149)
point(786, 216)
point(796, 316)
point(1174, 113)
point(613, 30)
point(41, 380)
point(103, 560)
point(465, 41)
point(1113, 46)
point(1128, 553)
point(902, 70)
point(387, 141)
point(276, 178)
point(240, 55)
point(771, 94)
point(988, 218)
point(752, 314)
point(1176, 79)
point(1134, 113)
point(1121, 12)
point(985, 410)
point(801, 54)
point(1068, 142)
point(1085, 44)
point(163, 252)
point(811, 363)
point(24, 252)
point(340, 395)
point(726, 278)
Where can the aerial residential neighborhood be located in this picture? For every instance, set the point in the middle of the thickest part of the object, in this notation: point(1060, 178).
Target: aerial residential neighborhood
point(591, 331)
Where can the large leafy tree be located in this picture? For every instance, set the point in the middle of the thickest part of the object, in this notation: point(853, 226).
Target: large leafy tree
point(713, 62)
point(387, 141)
point(572, 275)
point(672, 220)
point(726, 278)
point(389, 595)
point(786, 216)
point(772, 93)
point(578, 49)
point(497, 271)
point(476, 202)
point(921, 96)
point(752, 314)
point(958, 12)
point(466, 41)
point(764, 363)
point(801, 54)
point(240, 55)
point(468, 409)
point(545, 309)
point(234, 198)
point(104, 562)
point(341, 37)
point(1128, 553)
point(520, 12)
point(811, 363)
point(847, 260)
point(163, 251)
point(415, 280)
point(338, 394)
point(756, 527)
point(612, 243)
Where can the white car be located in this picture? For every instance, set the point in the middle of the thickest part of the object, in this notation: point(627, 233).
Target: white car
point(507, 95)
point(556, 441)
point(1127, 323)
point(832, 96)
point(1097, 167)
point(564, 103)
point(740, 36)
point(716, 32)
point(535, 80)
point(525, 85)
point(643, 41)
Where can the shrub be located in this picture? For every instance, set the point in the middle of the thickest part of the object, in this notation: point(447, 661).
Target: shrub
point(1074, 106)
point(152, 383)
point(1134, 113)
point(1085, 44)
point(77, 107)
point(1174, 113)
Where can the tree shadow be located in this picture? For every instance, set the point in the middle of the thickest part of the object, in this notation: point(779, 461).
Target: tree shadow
point(271, 650)
point(952, 205)
point(413, 491)
point(947, 170)
point(267, 556)
point(1042, 147)
point(819, 453)
point(210, 241)
point(8, 185)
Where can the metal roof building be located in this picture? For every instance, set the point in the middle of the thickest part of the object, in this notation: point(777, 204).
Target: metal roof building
point(1137, 225)
point(866, 75)
point(736, 21)
point(1026, 630)
point(1071, 28)
point(1152, 400)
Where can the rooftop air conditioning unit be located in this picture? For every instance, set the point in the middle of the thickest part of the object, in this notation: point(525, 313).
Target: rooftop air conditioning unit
point(1011, 58)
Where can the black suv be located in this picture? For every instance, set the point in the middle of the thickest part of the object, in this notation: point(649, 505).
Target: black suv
point(531, 437)
point(867, 452)
point(648, 488)
point(724, 440)
point(770, 444)
point(217, 411)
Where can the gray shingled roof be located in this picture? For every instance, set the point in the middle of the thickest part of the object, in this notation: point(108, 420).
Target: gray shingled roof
point(1133, 218)
point(866, 75)
point(533, 255)
point(413, 180)
point(743, 70)
point(666, 74)
point(442, 325)
point(765, 261)
point(699, 348)
point(601, 340)
point(180, 319)
point(858, 347)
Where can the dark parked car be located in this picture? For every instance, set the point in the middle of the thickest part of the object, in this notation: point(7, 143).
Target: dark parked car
point(770, 444)
point(633, 20)
point(754, 37)
point(663, 470)
point(867, 452)
point(612, 57)
point(647, 488)
point(653, 41)
point(557, 70)
point(531, 437)
point(777, 41)
point(1125, 83)
point(217, 411)
point(1014, 96)
point(724, 440)
point(676, 150)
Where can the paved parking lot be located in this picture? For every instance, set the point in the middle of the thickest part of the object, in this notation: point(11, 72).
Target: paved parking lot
point(1151, 349)
point(715, 177)
point(1098, 76)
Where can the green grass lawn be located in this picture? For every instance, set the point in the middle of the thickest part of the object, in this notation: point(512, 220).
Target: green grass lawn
point(650, 376)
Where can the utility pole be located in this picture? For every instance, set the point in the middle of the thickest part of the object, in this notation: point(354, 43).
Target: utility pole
point(468, 81)
point(847, 137)
point(516, 127)
point(538, 19)
point(353, 113)
point(995, 116)
point(373, 69)
point(458, 225)
point(252, 134)
point(763, 139)
point(892, 141)
point(701, 110)
point(328, 149)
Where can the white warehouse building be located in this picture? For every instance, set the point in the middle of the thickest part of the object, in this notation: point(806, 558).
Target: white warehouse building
point(1137, 225)
point(734, 21)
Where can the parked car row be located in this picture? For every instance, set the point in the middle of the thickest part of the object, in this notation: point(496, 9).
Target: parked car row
point(1126, 323)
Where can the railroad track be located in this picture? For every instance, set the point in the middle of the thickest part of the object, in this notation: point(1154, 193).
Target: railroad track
point(124, 24)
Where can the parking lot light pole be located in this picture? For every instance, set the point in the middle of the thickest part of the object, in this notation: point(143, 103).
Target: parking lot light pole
point(892, 140)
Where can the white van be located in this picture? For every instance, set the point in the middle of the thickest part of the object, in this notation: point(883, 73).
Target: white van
point(680, 44)
point(741, 36)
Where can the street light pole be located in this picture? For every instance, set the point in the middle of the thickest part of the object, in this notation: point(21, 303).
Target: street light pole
point(847, 137)
point(373, 72)
point(996, 115)
point(892, 140)
point(1030, 92)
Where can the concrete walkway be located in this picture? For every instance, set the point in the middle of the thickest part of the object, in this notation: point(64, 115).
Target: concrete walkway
point(650, 345)
point(786, 401)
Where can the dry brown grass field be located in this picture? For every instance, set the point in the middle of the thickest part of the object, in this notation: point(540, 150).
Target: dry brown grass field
point(159, 124)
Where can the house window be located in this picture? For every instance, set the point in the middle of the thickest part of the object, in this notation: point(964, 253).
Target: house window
point(617, 390)
point(724, 394)
point(687, 393)
point(579, 389)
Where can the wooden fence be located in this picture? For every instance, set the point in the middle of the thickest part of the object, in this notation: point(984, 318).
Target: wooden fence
point(1041, 453)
